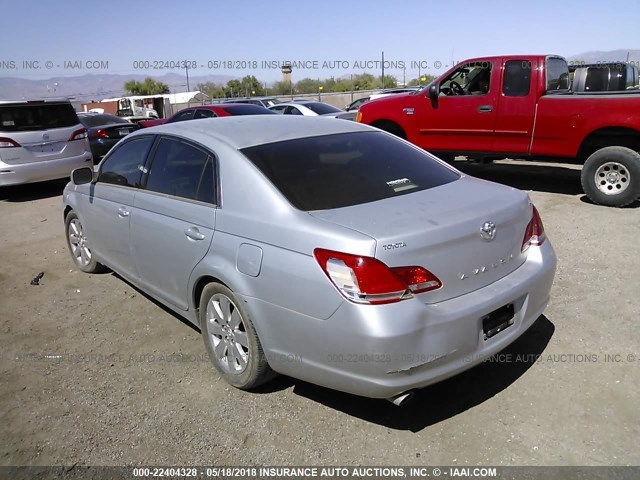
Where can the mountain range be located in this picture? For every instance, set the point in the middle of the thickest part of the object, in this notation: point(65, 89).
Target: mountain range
point(86, 88)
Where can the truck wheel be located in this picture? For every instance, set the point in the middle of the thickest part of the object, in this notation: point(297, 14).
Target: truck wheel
point(611, 176)
point(390, 127)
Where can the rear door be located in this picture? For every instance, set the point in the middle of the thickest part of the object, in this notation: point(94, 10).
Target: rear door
point(175, 218)
point(516, 106)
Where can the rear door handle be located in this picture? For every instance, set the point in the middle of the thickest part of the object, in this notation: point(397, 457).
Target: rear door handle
point(123, 212)
point(485, 109)
point(194, 234)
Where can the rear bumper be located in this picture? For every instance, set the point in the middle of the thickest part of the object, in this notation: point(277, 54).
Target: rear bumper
point(381, 351)
point(41, 171)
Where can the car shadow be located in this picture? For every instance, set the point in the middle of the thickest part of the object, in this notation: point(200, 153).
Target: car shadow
point(157, 303)
point(551, 178)
point(33, 191)
point(440, 401)
point(429, 405)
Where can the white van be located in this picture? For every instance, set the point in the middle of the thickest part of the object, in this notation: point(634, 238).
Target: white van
point(40, 140)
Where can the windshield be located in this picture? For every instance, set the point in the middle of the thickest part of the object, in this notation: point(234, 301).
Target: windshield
point(99, 119)
point(334, 171)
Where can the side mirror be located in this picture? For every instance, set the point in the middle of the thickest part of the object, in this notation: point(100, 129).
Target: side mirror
point(83, 175)
point(433, 92)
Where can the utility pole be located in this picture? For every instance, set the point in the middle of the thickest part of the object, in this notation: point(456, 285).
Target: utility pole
point(382, 69)
point(186, 68)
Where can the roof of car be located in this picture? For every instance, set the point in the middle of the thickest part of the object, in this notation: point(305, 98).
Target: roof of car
point(249, 130)
point(295, 103)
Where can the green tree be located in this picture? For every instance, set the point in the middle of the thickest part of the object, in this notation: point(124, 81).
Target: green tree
point(282, 88)
point(343, 85)
point(364, 81)
point(389, 82)
point(147, 87)
point(423, 80)
point(211, 89)
point(251, 86)
point(308, 85)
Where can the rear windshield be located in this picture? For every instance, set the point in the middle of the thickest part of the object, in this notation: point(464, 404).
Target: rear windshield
point(247, 110)
point(100, 119)
point(41, 116)
point(333, 171)
point(321, 108)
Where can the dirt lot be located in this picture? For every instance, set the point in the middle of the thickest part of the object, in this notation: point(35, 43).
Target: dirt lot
point(93, 372)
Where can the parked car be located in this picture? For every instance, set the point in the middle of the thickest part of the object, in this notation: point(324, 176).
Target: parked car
point(208, 111)
point(355, 105)
point(105, 131)
point(604, 77)
point(40, 140)
point(521, 106)
point(309, 108)
point(395, 91)
point(262, 101)
point(377, 267)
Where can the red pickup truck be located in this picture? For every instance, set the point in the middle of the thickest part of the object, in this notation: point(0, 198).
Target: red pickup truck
point(522, 107)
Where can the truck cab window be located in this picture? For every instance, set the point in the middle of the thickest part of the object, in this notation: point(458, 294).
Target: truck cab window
point(469, 79)
point(517, 78)
point(557, 74)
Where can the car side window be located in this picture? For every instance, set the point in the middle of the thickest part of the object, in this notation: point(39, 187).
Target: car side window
point(517, 78)
point(473, 78)
point(291, 110)
point(202, 113)
point(182, 170)
point(182, 116)
point(125, 164)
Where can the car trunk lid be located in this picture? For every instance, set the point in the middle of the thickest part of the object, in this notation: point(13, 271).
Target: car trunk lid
point(441, 230)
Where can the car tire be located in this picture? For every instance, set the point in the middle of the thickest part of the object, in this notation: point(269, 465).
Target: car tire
point(231, 339)
point(611, 176)
point(79, 246)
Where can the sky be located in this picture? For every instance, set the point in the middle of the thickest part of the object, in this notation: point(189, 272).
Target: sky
point(42, 39)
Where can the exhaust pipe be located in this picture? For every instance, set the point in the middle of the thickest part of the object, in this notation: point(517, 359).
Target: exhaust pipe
point(402, 398)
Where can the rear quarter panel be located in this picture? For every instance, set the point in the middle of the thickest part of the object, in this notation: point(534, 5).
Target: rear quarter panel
point(564, 121)
point(254, 213)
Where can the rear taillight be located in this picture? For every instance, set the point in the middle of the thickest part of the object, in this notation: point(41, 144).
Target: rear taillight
point(78, 134)
point(99, 134)
point(8, 143)
point(418, 279)
point(369, 281)
point(534, 234)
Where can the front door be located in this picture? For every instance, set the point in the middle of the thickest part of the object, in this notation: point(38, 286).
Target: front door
point(463, 116)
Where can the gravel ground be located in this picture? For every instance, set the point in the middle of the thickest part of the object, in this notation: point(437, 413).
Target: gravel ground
point(94, 372)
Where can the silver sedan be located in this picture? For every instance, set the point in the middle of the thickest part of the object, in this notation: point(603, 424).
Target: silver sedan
point(329, 251)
